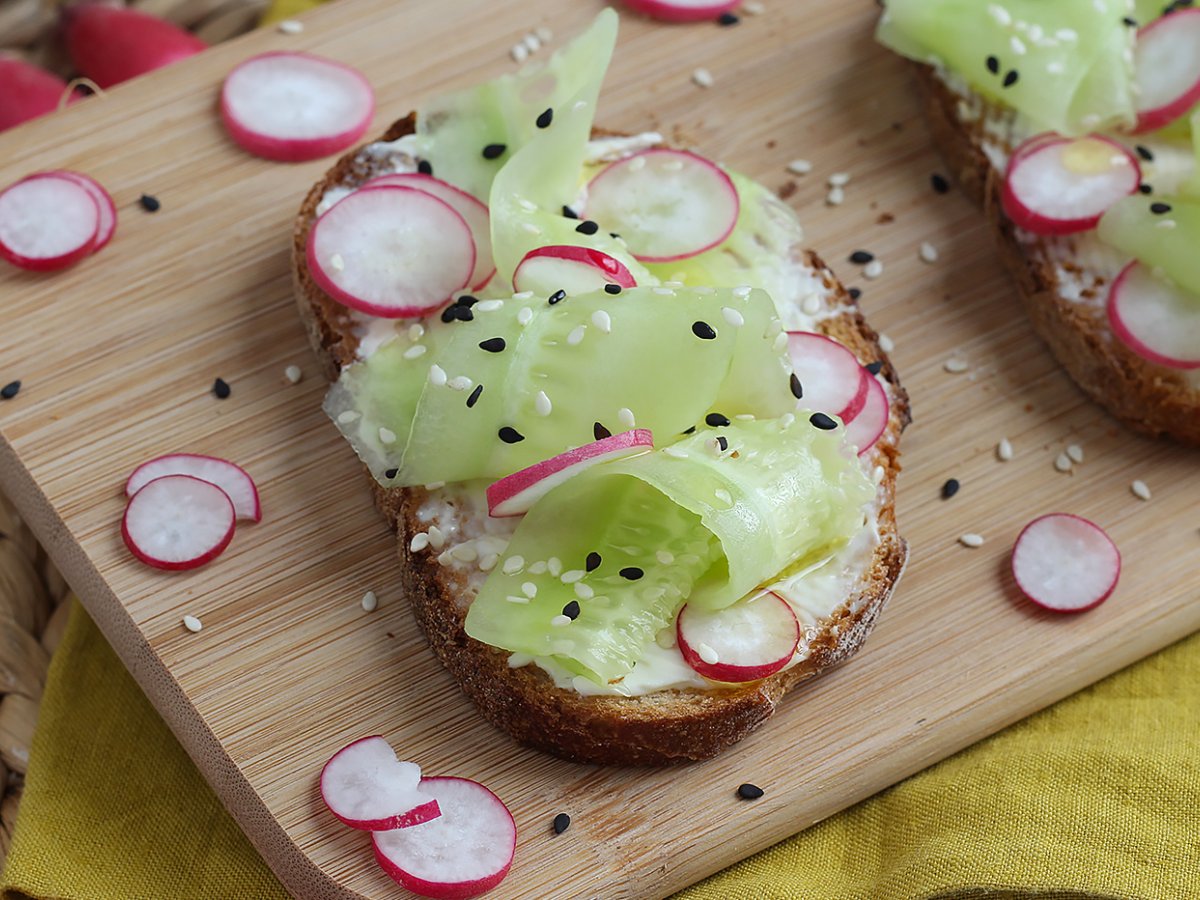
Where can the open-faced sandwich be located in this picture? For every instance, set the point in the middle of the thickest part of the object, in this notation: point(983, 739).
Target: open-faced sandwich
point(1076, 125)
point(637, 445)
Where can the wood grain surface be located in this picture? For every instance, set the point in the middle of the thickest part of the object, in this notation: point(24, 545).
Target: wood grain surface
point(117, 357)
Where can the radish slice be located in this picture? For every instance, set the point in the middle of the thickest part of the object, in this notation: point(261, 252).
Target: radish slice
point(831, 378)
point(47, 222)
point(368, 788)
point(1156, 319)
point(1166, 69)
point(515, 494)
point(666, 204)
point(229, 477)
point(1065, 563)
point(474, 213)
point(465, 851)
point(104, 204)
point(576, 270)
point(864, 430)
point(1064, 186)
point(294, 107)
point(744, 642)
point(391, 252)
point(178, 522)
point(682, 10)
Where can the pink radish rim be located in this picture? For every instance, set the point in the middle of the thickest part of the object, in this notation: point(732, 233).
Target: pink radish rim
point(1127, 337)
point(742, 674)
point(425, 812)
point(194, 563)
point(665, 11)
point(103, 200)
point(257, 515)
point(1097, 529)
point(1159, 116)
point(609, 266)
point(851, 410)
point(51, 263)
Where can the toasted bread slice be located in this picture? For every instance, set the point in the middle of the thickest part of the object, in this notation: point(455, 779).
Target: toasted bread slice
point(1063, 285)
point(652, 729)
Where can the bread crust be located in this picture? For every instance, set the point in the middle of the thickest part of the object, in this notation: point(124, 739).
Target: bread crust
point(655, 729)
point(1148, 398)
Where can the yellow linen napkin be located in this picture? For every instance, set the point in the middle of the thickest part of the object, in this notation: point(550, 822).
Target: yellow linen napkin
point(1097, 797)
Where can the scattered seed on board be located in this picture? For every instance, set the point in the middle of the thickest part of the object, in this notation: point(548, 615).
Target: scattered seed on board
point(950, 488)
point(293, 374)
point(955, 365)
point(886, 344)
point(928, 252)
point(369, 601)
point(839, 179)
point(1004, 450)
point(149, 203)
point(561, 823)
point(10, 390)
point(221, 389)
point(290, 26)
point(799, 167)
point(749, 791)
point(1140, 489)
point(753, 8)
point(702, 78)
point(1075, 452)
point(835, 197)
point(1062, 463)
point(971, 540)
point(873, 269)
point(192, 624)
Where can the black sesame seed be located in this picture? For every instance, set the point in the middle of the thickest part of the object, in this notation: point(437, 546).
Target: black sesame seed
point(10, 390)
point(561, 823)
point(149, 203)
point(425, 167)
point(1160, 209)
point(599, 432)
point(993, 65)
point(494, 151)
point(691, 430)
point(569, 213)
point(704, 331)
point(466, 300)
point(457, 313)
point(727, 18)
point(722, 443)
point(950, 488)
point(592, 563)
point(1011, 78)
point(389, 474)
point(939, 182)
point(450, 313)
point(716, 420)
point(474, 398)
point(861, 257)
point(796, 386)
point(221, 389)
point(571, 610)
point(544, 120)
point(1144, 152)
point(614, 235)
point(855, 293)
point(510, 435)
point(587, 227)
point(874, 368)
point(611, 288)
point(493, 345)
point(1130, 21)
point(1146, 188)
point(557, 297)
point(822, 421)
point(749, 791)
point(631, 573)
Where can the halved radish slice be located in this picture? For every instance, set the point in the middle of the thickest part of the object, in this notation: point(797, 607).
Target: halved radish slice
point(1166, 69)
point(666, 204)
point(474, 213)
point(294, 107)
point(1064, 186)
point(229, 477)
point(576, 270)
point(368, 788)
point(832, 380)
point(1065, 563)
point(47, 222)
point(1157, 320)
point(178, 522)
point(682, 10)
point(104, 204)
point(749, 640)
point(465, 851)
point(391, 252)
point(865, 428)
point(514, 494)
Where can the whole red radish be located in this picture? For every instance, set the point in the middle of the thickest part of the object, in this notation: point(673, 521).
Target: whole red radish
point(27, 91)
point(110, 45)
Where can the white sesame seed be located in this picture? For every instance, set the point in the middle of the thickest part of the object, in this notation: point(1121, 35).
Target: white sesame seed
point(583, 591)
point(625, 417)
point(434, 485)
point(602, 321)
point(293, 374)
point(753, 8)
point(811, 304)
point(530, 228)
point(677, 452)
point(560, 620)
point(337, 263)
point(386, 435)
point(437, 540)
point(460, 383)
point(928, 252)
point(572, 575)
point(544, 34)
point(576, 335)
point(786, 421)
point(488, 562)
point(514, 564)
point(742, 291)
point(541, 404)
point(673, 283)
point(489, 305)
point(1004, 450)
point(519, 53)
point(956, 366)
point(532, 42)
point(666, 557)
point(702, 78)
point(1062, 463)
point(348, 416)
point(1018, 45)
point(290, 26)
point(554, 565)
point(873, 269)
point(664, 291)
point(707, 653)
point(414, 351)
point(878, 474)
point(527, 205)
point(971, 540)
point(513, 598)
point(1075, 452)
point(538, 568)
point(416, 331)
point(192, 624)
point(525, 316)
point(522, 295)
point(1140, 489)
point(1055, 67)
point(1002, 16)
point(419, 542)
point(437, 375)
point(799, 167)
point(369, 601)
point(723, 495)
point(781, 341)
point(465, 552)
point(1165, 224)
point(835, 197)
point(529, 589)
point(733, 317)
point(1066, 34)
point(839, 179)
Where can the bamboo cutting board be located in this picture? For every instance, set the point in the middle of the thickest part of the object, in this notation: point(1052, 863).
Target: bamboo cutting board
point(117, 357)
